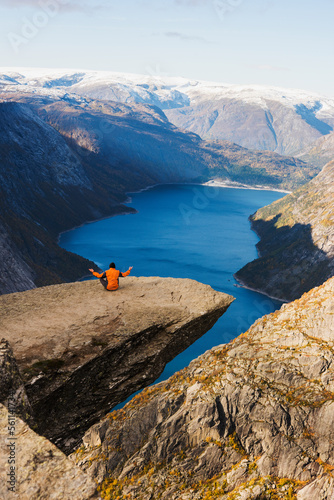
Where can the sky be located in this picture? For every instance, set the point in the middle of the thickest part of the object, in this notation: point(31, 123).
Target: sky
point(286, 43)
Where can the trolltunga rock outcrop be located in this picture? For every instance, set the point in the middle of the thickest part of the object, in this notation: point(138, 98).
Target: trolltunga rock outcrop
point(82, 350)
point(252, 419)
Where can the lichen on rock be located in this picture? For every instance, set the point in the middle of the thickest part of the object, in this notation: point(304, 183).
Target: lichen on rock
point(250, 419)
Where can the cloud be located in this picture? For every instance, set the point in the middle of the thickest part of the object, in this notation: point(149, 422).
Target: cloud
point(63, 5)
point(182, 36)
point(193, 2)
point(19, 3)
point(269, 67)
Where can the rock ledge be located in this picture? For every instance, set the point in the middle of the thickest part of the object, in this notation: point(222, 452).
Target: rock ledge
point(82, 350)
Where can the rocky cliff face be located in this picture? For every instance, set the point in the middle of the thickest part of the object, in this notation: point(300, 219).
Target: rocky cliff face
point(263, 168)
point(297, 240)
point(12, 390)
point(248, 420)
point(82, 350)
point(40, 471)
point(320, 152)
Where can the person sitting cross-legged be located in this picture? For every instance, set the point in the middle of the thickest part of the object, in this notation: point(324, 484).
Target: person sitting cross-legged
point(110, 278)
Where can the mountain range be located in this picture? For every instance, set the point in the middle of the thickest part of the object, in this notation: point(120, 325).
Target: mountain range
point(257, 117)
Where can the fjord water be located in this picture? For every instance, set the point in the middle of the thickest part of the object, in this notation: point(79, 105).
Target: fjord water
point(185, 231)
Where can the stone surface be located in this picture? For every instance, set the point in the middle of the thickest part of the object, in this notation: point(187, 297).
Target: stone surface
point(321, 488)
point(247, 420)
point(12, 390)
point(42, 472)
point(82, 350)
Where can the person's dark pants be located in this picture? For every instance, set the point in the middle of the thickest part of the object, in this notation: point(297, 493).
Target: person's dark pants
point(104, 282)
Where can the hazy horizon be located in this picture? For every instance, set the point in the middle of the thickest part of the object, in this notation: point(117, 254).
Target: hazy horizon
point(259, 42)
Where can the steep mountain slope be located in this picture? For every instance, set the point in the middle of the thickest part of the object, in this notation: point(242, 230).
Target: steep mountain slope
point(296, 251)
point(264, 118)
point(260, 167)
point(256, 121)
point(252, 419)
point(15, 273)
point(152, 141)
point(40, 182)
point(320, 152)
point(138, 137)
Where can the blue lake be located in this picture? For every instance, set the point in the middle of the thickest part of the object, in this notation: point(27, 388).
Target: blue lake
point(185, 231)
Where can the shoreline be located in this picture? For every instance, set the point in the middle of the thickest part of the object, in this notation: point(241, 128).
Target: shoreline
point(131, 211)
point(211, 183)
point(238, 185)
point(241, 284)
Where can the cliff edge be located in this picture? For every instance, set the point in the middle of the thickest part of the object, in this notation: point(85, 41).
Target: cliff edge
point(247, 420)
point(296, 251)
point(82, 350)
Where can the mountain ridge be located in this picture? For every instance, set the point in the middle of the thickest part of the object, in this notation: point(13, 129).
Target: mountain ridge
point(253, 116)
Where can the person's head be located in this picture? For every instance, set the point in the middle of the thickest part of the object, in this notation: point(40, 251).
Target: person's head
point(112, 265)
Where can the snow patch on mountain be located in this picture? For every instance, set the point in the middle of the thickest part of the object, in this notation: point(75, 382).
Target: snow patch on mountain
point(254, 116)
point(182, 91)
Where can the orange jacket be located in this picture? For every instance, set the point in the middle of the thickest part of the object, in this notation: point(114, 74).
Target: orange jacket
point(112, 276)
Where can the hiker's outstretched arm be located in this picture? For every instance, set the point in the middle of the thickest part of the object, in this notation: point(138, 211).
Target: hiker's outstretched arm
point(98, 275)
point(122, 275)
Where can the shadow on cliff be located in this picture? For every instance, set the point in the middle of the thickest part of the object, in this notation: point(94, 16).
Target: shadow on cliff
point(289, 262)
